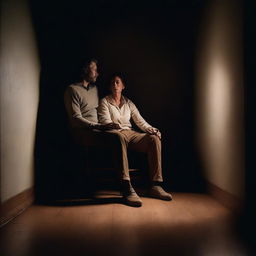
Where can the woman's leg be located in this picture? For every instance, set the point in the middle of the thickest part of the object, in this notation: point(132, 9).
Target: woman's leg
point(112, 140)
point(130, 196)
point(118, 143)
point(150, 144)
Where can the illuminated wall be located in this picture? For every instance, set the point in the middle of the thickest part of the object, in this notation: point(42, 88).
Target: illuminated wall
point(220, 96)
point(19, 93)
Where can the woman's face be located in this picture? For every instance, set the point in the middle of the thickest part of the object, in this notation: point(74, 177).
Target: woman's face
point(117, 85)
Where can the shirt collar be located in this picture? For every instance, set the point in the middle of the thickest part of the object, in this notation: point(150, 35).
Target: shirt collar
point(88, 87)
point(111, 100)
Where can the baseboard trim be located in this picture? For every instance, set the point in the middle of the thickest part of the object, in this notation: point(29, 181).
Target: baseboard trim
point(225, 198)
point(113, 169)
point(16, 205)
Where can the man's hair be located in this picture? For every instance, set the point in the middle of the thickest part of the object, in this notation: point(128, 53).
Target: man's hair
point(85, 68)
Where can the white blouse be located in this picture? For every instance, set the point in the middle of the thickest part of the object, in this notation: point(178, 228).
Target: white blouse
point(109, 112)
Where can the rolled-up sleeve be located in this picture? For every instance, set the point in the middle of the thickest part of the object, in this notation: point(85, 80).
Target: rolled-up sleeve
point(71, 100)
point(137, 118)
point(104, 112)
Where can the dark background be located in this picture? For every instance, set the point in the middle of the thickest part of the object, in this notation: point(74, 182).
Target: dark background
point(248, 223)
point(153, 43)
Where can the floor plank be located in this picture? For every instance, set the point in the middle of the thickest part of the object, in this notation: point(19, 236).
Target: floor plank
point(191, 224)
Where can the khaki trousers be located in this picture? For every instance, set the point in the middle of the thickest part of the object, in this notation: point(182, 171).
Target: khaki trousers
point(122, 140)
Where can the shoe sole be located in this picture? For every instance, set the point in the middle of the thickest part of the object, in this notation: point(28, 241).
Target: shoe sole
point(157, 197)
point(133, 204)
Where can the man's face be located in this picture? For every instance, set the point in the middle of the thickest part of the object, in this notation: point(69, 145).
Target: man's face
point(92, 72)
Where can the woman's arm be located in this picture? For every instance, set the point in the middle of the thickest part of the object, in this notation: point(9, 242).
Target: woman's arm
point(104, 113)
point(140, 121)
point(104, 116)
point(137, 118)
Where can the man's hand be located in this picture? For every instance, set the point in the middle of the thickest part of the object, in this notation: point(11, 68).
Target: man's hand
point(154, 131)
point(110, 126)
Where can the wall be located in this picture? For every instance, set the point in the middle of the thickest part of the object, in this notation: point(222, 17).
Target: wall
point(219, 76)
point(19, 94)
point(153, 44)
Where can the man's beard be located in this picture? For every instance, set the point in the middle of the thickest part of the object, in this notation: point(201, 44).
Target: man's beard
point(92, 80)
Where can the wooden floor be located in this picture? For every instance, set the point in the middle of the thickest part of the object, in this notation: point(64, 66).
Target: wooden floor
point(191, 224)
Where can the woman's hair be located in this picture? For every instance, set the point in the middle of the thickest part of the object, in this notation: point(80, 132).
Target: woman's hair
point(120, 75)
point(85, 68)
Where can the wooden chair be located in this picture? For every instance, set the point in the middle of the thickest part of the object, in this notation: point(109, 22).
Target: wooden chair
point(101, 173)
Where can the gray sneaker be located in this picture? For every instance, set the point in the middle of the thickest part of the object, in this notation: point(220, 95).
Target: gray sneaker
point(159, 193)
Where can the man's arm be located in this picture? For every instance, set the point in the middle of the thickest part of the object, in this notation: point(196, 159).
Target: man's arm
point(72, 105)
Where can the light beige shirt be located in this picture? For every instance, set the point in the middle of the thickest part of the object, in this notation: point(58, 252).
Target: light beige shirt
point(109, 112)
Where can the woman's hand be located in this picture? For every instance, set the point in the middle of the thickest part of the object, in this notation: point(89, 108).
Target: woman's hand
point(154, 131)
point(110, 126)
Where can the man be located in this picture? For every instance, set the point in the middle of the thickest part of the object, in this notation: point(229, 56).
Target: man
point(81, 101)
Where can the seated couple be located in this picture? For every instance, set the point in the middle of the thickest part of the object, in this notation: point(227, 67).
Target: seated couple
point(107, 123)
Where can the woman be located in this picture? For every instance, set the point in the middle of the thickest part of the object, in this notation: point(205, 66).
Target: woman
point(116, 108)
